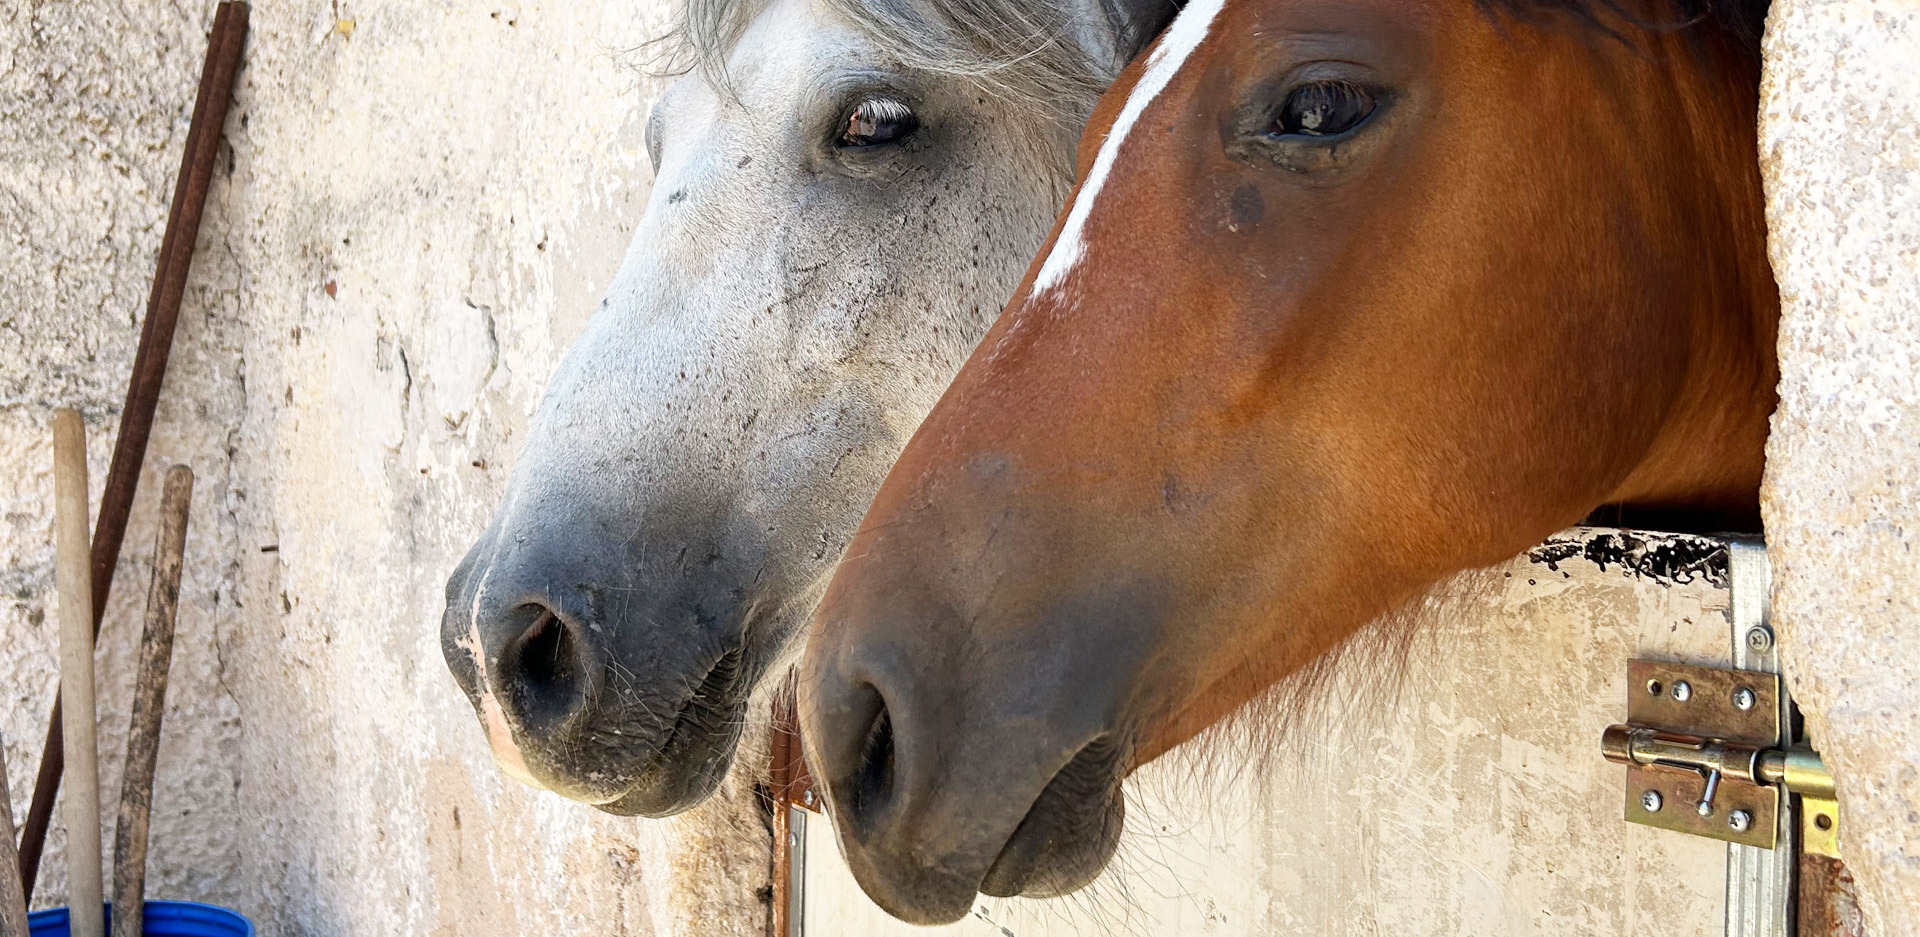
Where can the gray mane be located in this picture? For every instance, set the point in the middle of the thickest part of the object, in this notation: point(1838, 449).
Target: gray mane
point(1034, 52)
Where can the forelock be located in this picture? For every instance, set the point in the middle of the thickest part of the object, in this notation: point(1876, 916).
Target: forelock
point(1028, 53)
point(703, 33)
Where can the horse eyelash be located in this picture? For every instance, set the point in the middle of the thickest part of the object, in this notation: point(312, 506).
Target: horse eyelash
point(872, 113)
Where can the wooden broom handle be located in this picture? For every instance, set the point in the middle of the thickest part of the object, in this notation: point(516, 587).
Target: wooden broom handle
point(13, 898)
point(149, 705)
point(73, 576)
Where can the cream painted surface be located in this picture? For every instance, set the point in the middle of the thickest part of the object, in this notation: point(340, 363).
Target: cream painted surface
point(420, 203)
point(1473, 800)
point(1840, 145)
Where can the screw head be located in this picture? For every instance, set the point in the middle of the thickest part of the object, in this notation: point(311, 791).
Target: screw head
point(1760, 639)
point(807, 798)
point(1739, 821)
point(1743, 699)
point(1651, 801)
point(1682, 690)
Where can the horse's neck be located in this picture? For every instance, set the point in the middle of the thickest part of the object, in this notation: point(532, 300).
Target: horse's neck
point(1703, 471)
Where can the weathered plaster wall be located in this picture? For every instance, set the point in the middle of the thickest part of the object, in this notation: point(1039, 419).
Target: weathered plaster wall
point(462, 173)
point(419, 206)
point(1841, 145)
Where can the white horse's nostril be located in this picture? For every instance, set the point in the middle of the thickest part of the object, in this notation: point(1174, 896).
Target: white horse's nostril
point(499, 735)
point(505, 753)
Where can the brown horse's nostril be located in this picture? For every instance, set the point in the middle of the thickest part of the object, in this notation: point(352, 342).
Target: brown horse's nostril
point(873, 778)
point(546, 671)
point(864, 787)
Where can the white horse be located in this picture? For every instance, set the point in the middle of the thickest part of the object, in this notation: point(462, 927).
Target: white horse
point(837, 185)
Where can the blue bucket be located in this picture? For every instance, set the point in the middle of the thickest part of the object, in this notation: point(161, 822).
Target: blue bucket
point(163, 919)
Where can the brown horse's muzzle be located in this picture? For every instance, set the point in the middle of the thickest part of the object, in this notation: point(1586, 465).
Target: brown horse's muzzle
point(954, 767)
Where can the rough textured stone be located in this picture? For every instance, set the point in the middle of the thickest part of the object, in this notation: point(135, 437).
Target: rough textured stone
point(419, 205)
point(1840, 130)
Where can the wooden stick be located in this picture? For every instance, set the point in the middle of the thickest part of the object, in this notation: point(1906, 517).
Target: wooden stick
point(149, 704)
point(74, 579)
point(149, 370)
point(13, 899)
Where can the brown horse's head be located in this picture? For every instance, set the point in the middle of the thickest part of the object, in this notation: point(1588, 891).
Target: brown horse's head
point(1354, 294)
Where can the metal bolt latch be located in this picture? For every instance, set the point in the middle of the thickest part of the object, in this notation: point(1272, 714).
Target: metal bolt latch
point(1705, 806)
point(1717, 739)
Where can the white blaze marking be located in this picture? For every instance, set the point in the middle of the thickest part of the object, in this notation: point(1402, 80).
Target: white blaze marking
point(1189, 29)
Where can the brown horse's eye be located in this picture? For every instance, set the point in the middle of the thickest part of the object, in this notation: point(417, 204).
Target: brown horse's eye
point(876, 121)
point(1323, 109)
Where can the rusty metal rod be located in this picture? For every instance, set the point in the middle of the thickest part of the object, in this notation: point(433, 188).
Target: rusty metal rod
point(13, 899)
point(149, 705)
point(75, 581)
point(149, 371)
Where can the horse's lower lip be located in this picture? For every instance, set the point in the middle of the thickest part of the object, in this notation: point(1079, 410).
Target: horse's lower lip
point(1059, 867)
point(662, 795)
point(687, 766)
point(630, 804)
point(1069, 834)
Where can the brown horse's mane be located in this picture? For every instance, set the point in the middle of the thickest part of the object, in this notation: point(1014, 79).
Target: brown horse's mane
point(1744, 20)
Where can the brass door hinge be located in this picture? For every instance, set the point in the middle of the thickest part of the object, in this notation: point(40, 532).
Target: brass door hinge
point(1707, 753)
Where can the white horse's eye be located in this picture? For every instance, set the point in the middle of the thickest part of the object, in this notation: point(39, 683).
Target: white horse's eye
point(876, 121)
point(653, 138)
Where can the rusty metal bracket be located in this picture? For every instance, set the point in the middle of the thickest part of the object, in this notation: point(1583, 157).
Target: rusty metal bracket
point(793, 797)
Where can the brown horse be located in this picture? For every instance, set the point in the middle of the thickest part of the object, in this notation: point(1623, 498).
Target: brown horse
point(1353, 295)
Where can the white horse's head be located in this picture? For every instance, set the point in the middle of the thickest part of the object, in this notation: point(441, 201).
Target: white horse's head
point(835, 191)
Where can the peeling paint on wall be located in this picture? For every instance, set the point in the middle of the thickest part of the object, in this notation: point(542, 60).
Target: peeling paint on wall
point(1667, 559)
